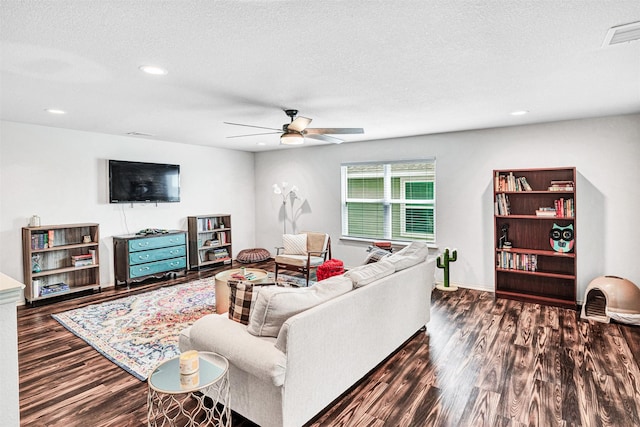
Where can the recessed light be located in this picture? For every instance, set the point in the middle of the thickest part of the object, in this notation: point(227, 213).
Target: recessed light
point(519, 113)
point(55, 111)
point(152, 69)
point(262, 143)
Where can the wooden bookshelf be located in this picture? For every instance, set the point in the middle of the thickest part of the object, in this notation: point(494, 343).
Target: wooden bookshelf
point(48, 253)
point(531, 269)
point(209, 240)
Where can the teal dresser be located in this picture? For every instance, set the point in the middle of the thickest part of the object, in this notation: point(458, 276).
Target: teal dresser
point(138, 257)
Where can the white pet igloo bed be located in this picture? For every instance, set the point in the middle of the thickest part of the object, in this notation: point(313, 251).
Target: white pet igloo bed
point(611, 297)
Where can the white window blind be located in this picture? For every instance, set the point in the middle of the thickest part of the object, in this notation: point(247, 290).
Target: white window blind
point(389, 200)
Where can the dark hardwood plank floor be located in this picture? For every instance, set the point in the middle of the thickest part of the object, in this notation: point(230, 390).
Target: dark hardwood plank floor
point(481, 362)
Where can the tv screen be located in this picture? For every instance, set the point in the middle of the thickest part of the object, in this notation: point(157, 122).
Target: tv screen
point(131, 182)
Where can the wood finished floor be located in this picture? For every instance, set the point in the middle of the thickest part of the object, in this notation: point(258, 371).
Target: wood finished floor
point(482, 362)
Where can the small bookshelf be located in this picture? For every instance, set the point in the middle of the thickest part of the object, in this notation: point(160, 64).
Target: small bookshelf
point(209, 240)
point(60, 259)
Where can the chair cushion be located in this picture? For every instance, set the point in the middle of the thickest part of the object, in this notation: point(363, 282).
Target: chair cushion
point(275, 305)
point(298, 260)
point(368, 273)
point(294, 244)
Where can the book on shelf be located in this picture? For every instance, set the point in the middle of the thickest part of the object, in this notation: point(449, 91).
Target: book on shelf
point(54, 289)
point(516, 261)
point(559, 185)
point(564, 208)
point(502, 206)
point(510, 182)
point(546, 211)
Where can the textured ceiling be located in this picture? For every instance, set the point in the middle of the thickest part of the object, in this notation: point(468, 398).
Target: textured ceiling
point(395, 68)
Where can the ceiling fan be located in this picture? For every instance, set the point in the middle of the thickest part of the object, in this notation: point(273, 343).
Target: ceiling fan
point(295, 132)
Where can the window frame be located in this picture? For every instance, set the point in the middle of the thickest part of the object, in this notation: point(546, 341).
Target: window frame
point(387, 201)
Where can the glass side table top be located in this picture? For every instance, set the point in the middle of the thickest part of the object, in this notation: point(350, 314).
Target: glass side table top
point(166, 377)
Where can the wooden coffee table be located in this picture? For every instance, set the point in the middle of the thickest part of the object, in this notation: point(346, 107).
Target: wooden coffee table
point(222, 288)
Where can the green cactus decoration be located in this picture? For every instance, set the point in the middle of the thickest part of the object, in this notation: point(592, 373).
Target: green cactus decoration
point(443, 262)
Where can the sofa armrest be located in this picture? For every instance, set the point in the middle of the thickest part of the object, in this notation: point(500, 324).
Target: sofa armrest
point(254, 355)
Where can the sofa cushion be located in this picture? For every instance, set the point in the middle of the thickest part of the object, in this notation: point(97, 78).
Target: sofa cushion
point(413, 254)
point(294, 244)
point(274, 305)
point(365, 274)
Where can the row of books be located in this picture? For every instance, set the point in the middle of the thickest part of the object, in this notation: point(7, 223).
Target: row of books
point(561, 186)
point(513, 261)
point(218, 254)
point(209, 224)
point(565, 208)
point(42, 240)
point(501, 205)
point(511, 182)
point(216, 239)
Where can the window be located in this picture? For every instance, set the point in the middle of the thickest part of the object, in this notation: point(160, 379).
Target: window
point(389, 200)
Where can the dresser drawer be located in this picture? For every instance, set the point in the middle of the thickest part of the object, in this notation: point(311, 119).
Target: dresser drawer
point(140, 257)
point(157, 267)
point(157, 242)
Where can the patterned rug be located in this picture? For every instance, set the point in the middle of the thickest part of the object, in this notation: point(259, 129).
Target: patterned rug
point(140, 331)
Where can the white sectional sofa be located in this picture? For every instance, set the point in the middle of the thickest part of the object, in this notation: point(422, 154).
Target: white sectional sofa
point(321, 352)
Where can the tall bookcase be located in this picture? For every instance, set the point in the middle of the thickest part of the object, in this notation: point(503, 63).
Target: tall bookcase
point(60, 259)
point(528, 204)
point(209, 240)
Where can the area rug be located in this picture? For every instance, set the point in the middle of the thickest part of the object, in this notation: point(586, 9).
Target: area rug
point(139, 332)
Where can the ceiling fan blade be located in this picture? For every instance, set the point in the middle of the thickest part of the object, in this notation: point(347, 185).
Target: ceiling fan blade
point(254, 134)
point(299, 124)
point(333, 131)
point(251, 126)
point(325, 138)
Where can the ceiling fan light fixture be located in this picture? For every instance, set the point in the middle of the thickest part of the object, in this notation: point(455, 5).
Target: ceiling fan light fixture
point(291, 138)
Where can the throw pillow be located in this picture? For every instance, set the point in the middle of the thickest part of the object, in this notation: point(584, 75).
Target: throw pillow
point(368, 273)
point(376, 255)
point(294, 244)
point(414, 253)
point(240, 300)
point(242, 296)
point(274, 305)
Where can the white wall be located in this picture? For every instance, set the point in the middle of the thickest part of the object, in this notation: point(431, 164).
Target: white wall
point(605, 151)
point(62, 176)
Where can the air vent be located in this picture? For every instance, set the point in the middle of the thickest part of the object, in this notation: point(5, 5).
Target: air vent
point(622, 34)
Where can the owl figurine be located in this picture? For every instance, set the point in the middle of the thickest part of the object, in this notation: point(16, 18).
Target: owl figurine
point(561, 238)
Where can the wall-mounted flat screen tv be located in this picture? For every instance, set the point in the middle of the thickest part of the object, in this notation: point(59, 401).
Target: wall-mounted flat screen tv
point(139, 182)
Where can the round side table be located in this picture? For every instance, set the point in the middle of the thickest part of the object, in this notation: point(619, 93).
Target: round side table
point(174, 399)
